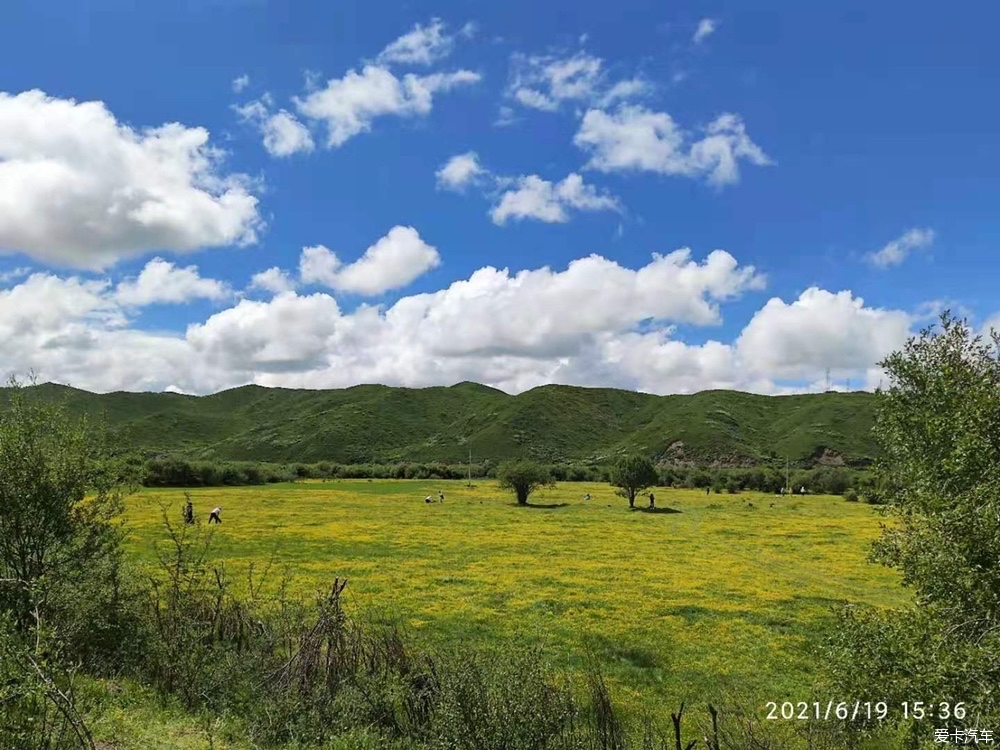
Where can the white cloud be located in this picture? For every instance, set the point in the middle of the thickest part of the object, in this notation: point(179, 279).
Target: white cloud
point(593, 323)
point(349, 105)
point(535, 198)
point(240, 83)
point(460, 171)
point(283, 134)
point(820, 329)
point(48, 305)
point(79, 189)
point(991, 324)
point(625, 90)
point(162, 282)
point(527, 196)
point(275, 280)
point(545, 82)
point(393, 262)
point(505, 117)
point(895, 252)
point(706, 27)
point(14, 274)
point(634, 138)
point(423, 45)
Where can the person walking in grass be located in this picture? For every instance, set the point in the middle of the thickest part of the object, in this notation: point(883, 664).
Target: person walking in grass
point(189, 513)
point(441, 497)
point(215, 515)
point(652, 500)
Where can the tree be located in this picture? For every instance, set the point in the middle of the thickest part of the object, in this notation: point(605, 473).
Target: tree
point(522, 478)
point(61, 496)
point(938, 473)
point(631, 475)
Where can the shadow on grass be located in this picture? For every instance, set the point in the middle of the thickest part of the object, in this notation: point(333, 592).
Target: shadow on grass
point(541, 505)
point(655, 510)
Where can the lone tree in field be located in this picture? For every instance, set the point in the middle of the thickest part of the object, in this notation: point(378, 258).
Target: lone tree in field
point(631, 475)
point(523, 478)
point(938, 426)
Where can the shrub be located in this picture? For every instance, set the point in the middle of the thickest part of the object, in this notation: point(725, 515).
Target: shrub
point(851, 496)
point(523, 478)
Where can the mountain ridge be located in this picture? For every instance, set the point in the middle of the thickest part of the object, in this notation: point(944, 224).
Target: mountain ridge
point(552, 423)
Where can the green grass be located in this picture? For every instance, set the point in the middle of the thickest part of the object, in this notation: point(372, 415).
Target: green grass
point(551, 423)
point(674, 605)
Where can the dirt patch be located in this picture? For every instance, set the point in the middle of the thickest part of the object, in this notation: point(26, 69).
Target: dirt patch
point(828, 457)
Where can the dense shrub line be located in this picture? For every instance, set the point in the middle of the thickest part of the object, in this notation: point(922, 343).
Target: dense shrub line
point(179, 472)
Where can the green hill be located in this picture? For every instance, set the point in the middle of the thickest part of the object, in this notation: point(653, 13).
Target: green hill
point(551, 423)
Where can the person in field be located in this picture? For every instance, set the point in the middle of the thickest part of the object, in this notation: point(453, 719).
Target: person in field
point(189, 513)
point(652, 500)
point(428, 499)
point(215, 515)
point(441, 497)
point(587, 496)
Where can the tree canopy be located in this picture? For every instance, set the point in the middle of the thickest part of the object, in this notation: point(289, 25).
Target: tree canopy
point(522, 477)
point(61, 493)
point(938, 424)
point(631, 475)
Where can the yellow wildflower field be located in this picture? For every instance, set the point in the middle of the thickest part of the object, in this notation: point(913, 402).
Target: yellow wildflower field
point(709, 592)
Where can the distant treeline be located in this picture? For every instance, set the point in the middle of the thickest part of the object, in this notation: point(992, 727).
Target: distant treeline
point(178, 472)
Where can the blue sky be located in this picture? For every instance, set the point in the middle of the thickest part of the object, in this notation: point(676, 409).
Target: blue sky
point(844, 151)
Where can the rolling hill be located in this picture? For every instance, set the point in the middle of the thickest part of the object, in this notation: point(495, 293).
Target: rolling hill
point(551, 423)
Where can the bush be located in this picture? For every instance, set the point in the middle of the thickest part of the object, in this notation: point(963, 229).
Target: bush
point(523, 478)
point(851, 496)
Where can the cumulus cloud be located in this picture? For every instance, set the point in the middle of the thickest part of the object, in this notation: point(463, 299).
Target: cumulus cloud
point(283, 133)
point(527, 196)
point(460, 171)
point(787, 340)
point(636, 139)
point(535, 198)
point(162, 282)
point(79, 189)
point(546, 82)
point(275, 280)
point(241, 83)
point(393, 262)
point(896, 251)
point(594, 322)
point(349, 105)
point(423, 45)
point(706, 27)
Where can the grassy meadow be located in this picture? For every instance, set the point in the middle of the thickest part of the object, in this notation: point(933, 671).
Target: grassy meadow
point(704, 594)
